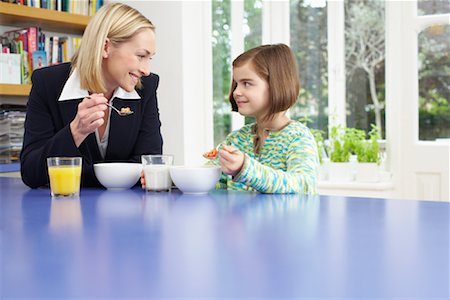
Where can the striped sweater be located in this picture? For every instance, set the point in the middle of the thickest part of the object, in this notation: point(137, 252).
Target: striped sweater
point(288, 161)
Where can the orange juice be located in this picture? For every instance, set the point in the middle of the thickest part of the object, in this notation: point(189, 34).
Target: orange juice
point(64, 180)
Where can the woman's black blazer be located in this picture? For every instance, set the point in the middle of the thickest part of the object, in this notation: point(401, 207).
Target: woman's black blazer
point(47, 130)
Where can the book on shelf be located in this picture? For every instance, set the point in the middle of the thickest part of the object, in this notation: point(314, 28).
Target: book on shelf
point(80, 7)
point(37, 49)
point(10, 68)
point(39, 59)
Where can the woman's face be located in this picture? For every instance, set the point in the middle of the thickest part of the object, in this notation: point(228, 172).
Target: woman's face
point(125, 63)
point(251, 93)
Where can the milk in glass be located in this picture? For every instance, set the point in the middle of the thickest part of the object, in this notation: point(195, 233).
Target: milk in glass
point(157, 178)
point(156, 172)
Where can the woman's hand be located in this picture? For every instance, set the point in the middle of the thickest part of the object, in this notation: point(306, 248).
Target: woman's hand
point(231, 160)
point(89, 117)
point(142, 180)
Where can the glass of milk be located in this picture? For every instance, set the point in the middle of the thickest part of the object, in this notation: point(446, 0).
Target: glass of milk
point(156, 172)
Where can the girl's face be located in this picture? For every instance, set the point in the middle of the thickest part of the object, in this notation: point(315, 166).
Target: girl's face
point(251, 93)
point(125, 63)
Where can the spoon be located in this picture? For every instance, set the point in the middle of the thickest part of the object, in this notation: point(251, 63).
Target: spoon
point(121, 113)
point(211, 155)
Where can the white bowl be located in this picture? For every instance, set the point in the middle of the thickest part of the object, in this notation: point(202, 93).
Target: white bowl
point(195, 180)
point(118, 176)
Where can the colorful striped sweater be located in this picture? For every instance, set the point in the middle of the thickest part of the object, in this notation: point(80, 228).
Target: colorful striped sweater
point(288, 162)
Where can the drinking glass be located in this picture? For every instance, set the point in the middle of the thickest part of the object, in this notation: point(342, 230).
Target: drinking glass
point(65, 175)
point(156, 172)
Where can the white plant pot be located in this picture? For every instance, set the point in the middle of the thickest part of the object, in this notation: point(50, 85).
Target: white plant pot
point(341, 171)
point(367, 172)
point(324, 169)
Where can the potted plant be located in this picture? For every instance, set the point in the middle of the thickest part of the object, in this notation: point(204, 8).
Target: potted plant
point(343, 141)
point(319, 138)
point(369, 157)
point(323, 160)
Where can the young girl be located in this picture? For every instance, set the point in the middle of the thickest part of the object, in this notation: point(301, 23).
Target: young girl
point(275, 154)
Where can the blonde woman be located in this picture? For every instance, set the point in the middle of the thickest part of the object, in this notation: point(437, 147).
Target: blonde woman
point(67, 113)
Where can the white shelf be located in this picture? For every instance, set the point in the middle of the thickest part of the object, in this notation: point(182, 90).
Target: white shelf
point(354, 185)
point(357, 189)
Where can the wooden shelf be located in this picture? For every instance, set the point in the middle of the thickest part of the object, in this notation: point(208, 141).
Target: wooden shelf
point(15, 89)
point(49, 20)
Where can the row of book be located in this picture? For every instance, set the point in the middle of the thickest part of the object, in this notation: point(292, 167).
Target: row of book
point(33, 49)
point(81, 7)
point(12, 122)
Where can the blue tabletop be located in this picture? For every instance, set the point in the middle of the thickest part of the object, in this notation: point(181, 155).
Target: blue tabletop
point(225, 245)
point(11, 167)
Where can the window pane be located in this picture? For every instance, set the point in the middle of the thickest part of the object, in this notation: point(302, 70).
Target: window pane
point(364, 59)
point(433, 7)
point(252, 23)
point(434, 82)
point(252, 30)
point(309, 42)
point(221, 46)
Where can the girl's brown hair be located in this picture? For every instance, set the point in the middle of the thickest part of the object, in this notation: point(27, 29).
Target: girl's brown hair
point(119, 23)
point(276, 64)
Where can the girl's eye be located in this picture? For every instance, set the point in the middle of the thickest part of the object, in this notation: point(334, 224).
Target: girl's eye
point(246, 83)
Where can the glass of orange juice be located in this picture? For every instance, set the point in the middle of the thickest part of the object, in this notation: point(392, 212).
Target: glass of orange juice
point(65, 175)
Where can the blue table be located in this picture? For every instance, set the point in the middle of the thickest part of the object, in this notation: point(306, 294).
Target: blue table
point(11, 167)
point(231, 245)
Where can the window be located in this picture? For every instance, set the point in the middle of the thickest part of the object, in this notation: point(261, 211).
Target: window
point(364, 79)
point(364, 61)
point(432, 7)
point(252, 24)
point(308, 35)
point(434, 93)
point(252, 30)
point(221, 41)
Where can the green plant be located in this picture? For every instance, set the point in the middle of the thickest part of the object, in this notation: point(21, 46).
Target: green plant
point(344, 142)
point(369, 150)
point(339, 150)
point(318, 137)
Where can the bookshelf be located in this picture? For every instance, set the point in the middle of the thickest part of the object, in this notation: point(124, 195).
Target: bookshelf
point(15, 89)
point(49, 20)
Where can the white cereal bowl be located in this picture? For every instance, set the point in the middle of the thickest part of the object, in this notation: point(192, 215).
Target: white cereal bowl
point(195, 180)
point(118, 176)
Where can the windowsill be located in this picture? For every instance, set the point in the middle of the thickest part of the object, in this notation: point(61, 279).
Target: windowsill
point(354, 185)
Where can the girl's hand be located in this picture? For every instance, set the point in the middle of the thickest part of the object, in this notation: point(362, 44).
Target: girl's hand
point(142, 180)
point(231, 160)
point(89, 117)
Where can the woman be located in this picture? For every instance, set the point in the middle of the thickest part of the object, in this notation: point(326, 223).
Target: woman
point(67, 113)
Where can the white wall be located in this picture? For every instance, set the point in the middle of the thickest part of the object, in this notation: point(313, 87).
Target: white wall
point(183, 61)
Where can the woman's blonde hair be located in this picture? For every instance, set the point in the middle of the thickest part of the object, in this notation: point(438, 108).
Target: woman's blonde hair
point(119, 23)
point(276, 64)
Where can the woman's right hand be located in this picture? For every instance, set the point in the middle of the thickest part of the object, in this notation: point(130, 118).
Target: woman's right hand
point(89, 117)
point(142, 180)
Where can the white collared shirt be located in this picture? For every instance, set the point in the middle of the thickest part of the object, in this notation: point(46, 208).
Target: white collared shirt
point(73, 91)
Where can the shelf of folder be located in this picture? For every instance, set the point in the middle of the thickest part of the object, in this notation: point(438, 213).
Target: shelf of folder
point(15, 89)
point(50, 20)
